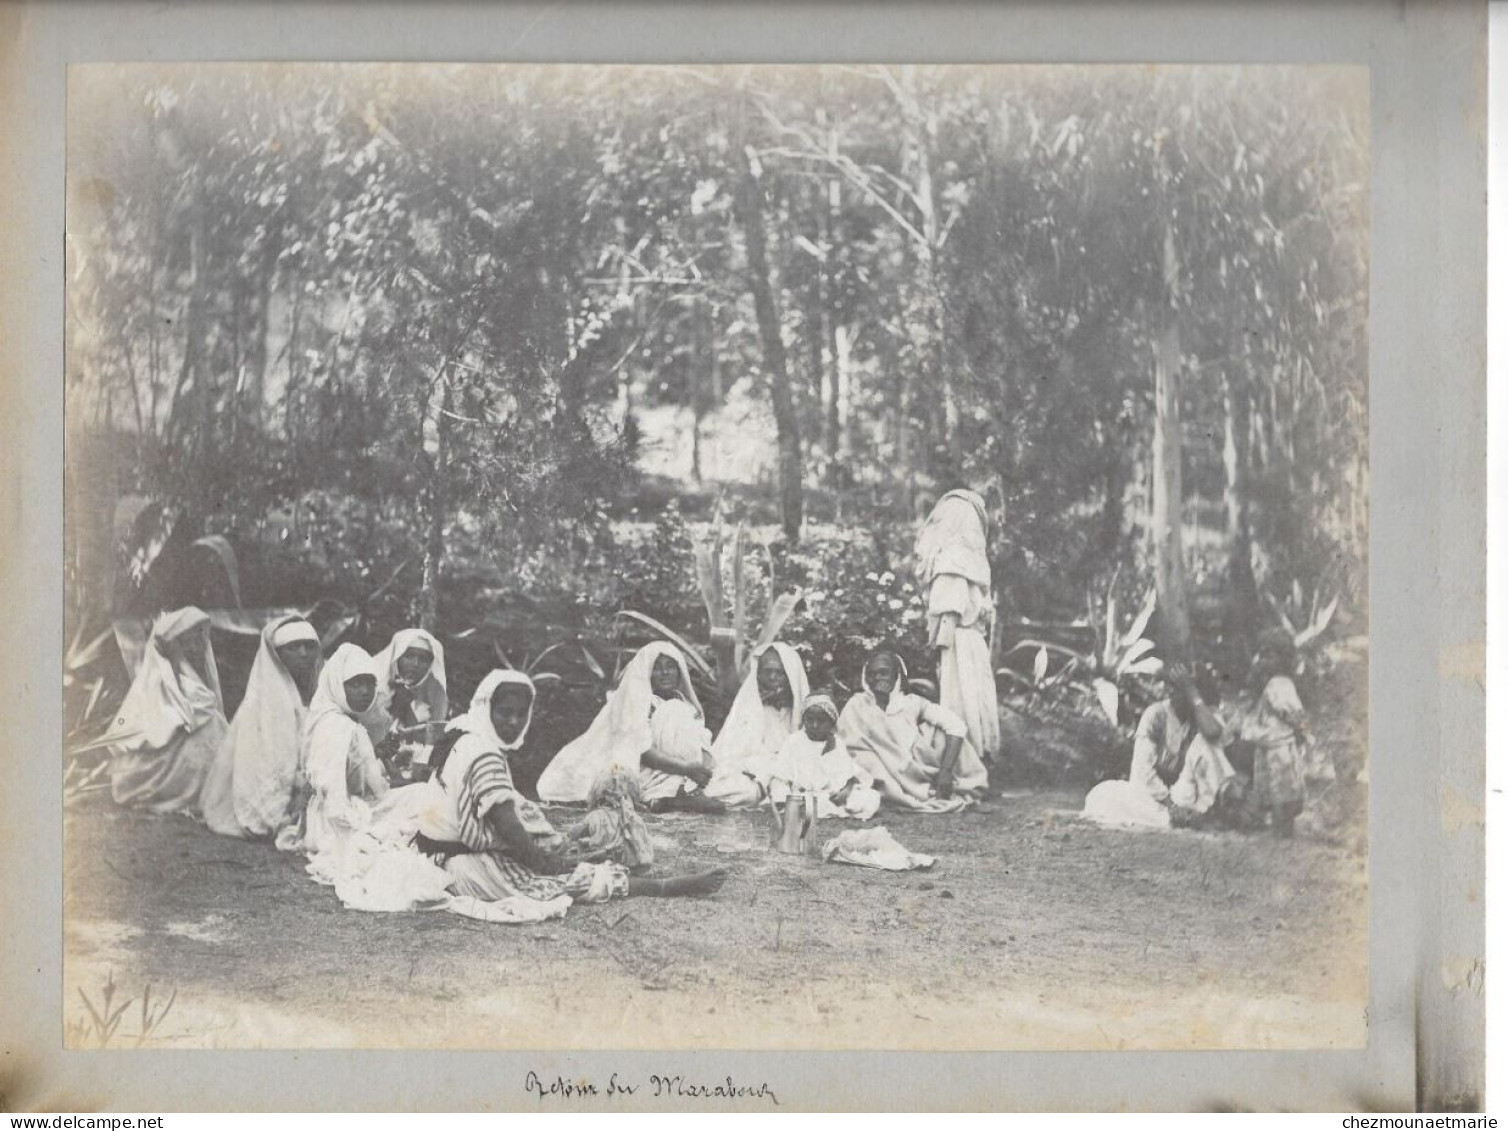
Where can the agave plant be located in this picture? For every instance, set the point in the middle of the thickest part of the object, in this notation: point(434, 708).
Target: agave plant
point(1303, 621)
point(1122, 654)
point(532, 665)
point(1099, 673)
point(733, 642)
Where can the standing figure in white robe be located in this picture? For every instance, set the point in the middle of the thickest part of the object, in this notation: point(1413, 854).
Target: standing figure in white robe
point(765, 712)
point(249, 791)
point(953, 569)
point(917, 752)
point(651, 724)
point(172, 719)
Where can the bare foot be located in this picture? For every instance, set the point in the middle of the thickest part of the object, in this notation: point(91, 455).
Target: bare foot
point(688, 803)
point(698, 883)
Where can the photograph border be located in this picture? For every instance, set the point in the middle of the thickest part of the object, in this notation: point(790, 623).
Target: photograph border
point(1427, 350)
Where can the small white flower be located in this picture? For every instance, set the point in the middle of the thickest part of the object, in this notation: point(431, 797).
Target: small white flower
point(871, 576)
point(887, 577)
point(896, 603)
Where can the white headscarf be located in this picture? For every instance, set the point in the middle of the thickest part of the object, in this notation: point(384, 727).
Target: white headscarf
point(431, 688)
point(620, 732)
point(742, 735)
point(261, 749)
point(953, 540)
point(160, 704)
point(291, 630)
point(478, 718)
point(329, 700)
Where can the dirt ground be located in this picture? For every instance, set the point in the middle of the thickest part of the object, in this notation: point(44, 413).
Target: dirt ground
point(1034, 930)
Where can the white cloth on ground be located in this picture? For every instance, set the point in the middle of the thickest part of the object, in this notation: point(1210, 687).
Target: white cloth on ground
point(874, 848)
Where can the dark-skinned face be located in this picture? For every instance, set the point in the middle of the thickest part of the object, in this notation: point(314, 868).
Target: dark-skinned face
point(774, 687)
point(299, 658)
point(510, 712)
point(883, 673)
point(414, 663)
point(360, 691)
point(818, 725)
point(665, 677)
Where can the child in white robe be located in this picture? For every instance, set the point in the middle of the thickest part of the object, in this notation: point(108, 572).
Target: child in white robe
point(814, 760)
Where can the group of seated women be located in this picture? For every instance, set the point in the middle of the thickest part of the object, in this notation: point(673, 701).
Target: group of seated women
point(887, 745)
point(355, 762)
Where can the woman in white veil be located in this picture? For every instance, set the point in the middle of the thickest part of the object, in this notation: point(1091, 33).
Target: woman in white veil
point(652, 724)
point(250, 787)
point(172, 720)
point(765, 712)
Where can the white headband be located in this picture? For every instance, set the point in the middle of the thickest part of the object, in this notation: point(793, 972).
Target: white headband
point(294, 632)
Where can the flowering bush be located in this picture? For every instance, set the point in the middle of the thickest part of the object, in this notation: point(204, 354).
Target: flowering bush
point(857, 598)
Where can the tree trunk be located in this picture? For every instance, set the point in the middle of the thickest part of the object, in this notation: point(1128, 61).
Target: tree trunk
point(436, 506)
point(920, 128)
point(1167, 498)
point(787, 428)
point(833, 201)
point(701, 366)
point(1239, 577)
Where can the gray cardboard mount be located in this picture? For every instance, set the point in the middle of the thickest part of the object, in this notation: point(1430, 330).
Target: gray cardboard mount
point(1429, 79)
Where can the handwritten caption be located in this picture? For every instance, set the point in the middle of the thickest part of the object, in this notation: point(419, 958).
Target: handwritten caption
point(653, 1086)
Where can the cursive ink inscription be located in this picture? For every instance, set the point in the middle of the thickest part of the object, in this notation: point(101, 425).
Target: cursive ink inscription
point(676, 1086)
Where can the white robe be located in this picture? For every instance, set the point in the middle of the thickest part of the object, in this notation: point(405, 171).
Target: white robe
point(356, 831)
point(250, 787)
point(171, 721)
point(633, 722)
point(953, 567)
point(753, 732)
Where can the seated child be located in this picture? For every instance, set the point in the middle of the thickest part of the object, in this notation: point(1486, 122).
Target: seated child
point(612, 830)
point(813, 759)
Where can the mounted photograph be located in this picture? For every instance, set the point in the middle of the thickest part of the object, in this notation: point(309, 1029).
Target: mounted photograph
point(783, 557)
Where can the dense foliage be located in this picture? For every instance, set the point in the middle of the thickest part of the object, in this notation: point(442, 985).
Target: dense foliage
point(446, 341)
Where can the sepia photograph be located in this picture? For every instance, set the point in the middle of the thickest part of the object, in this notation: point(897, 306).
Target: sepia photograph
point(703, 556)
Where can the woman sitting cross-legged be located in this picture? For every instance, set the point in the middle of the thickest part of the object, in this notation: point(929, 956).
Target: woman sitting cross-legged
point(651, 723)
point(917, 751)
point(172, 720)
point(412, 702)
point(496, 845)
point(1179, 771)
point(250, 788)
point(765, 713)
